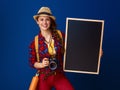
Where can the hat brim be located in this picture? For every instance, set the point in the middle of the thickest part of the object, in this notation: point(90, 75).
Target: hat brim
point(36, 16)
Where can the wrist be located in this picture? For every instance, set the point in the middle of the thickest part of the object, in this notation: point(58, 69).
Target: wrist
point(38, 65)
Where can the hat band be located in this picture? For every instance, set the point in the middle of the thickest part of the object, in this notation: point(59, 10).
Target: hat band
point(44, 13)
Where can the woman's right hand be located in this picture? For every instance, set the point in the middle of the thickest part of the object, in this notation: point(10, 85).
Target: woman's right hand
point(43, 64)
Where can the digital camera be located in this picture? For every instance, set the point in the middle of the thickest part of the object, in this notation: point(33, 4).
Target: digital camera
point(53, 63)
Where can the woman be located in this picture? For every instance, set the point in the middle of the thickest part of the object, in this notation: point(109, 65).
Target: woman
point(50, 53)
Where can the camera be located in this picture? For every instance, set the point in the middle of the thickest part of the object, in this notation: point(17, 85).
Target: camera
point(53, 63)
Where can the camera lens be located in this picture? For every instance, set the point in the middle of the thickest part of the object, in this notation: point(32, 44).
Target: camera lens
point(52, 65)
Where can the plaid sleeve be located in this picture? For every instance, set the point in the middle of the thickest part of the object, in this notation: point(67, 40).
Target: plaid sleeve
point(32, 54)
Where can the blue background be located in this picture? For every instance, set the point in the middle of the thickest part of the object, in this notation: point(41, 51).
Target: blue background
point(17, 30)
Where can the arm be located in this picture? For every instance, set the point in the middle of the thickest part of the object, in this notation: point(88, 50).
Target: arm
point(33, 59)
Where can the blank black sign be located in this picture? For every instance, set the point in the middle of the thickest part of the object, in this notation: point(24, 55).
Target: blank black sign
point(82, 45)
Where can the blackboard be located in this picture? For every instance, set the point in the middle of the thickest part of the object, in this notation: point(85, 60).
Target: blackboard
point(82, 45)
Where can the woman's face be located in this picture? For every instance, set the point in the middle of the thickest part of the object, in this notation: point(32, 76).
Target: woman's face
point(44, 22)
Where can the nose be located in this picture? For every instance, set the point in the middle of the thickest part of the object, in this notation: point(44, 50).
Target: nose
point(45, 21)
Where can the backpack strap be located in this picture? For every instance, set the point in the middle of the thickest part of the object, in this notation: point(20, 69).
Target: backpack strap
point(36, 48)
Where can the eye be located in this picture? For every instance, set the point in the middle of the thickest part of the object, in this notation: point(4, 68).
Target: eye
point(47, 19)
point(41, 19)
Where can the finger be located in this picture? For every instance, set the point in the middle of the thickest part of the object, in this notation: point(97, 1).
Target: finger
point(46, 63)
point(45, 59)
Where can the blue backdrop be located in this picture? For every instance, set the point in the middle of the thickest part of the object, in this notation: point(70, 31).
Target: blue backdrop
point(17, 30)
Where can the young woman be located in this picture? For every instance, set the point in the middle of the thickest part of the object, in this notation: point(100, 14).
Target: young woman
point(51, 51)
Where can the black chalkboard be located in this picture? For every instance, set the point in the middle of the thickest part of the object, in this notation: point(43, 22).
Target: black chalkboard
point(82, 45)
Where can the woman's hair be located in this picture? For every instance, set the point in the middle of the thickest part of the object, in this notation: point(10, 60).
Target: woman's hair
point(53, 28)
point(53, 25)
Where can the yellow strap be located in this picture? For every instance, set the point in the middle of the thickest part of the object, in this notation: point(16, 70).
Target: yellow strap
point(36, 48)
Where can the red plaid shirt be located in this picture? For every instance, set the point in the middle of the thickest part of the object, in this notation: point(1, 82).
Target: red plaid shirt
point(43, 50)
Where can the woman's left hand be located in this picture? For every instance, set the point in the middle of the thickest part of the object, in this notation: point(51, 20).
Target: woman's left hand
point(101, 52)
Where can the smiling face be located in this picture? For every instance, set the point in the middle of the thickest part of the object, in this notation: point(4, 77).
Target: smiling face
point(44, 22)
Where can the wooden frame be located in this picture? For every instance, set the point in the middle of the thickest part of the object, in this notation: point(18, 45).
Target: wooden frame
point(82, 45)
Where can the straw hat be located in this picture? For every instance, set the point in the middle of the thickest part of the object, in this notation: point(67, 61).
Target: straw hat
point(44, 11)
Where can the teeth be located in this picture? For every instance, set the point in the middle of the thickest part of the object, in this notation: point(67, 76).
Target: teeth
point(44, 25)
